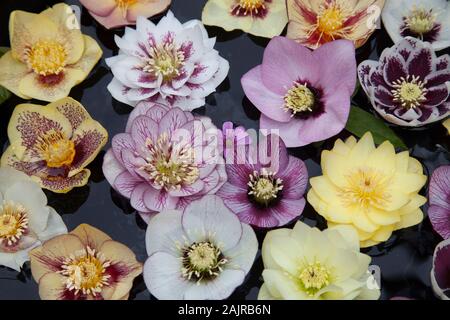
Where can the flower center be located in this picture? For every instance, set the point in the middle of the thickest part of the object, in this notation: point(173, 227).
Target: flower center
point(165, 60)
point(13, 222)
point(365, 188)
point(85, 271)
point(410, 92)
point(253, 8)
point(56, 150)
point(330, 19)
point(264, 187)
point(420, 20)
point(299, 99)
point(202, 261)
point(170, 166)
point(313, 278)
point(46, 57)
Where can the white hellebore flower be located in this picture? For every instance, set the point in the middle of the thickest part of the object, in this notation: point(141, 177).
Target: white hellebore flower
point(170, 63)
point(203, 252)
point(304, 263)
point(25, 219)
point(427, 20)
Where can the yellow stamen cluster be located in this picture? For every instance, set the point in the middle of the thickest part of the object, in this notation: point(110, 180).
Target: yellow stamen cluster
point(331, 18)
point(420, 20)
point(13, 222)
point(264, 187)
point(85, 271)
point(249, 7)
point(46, 57)
point(313, 278)
point(366, 187)
point(299, 99)
point(56, 149)
point(409, 91)
point(170, 165)
point(165, 60)
point(202, 261)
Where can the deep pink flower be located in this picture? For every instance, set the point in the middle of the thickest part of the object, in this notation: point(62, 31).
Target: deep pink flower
point(439, 195)
point(266, 194)
point(303, 94)
point(165, 159)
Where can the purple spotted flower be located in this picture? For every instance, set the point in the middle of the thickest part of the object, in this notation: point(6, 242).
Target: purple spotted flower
point(409, 85)
point(266, 191)
point(440, 273)
point(170, 63)
point(439, 195)
point(165, 159)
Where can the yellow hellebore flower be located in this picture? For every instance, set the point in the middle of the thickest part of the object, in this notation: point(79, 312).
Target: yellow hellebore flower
point(49, 55)
point(53, 144)
point(304, 263)
point(263, 18)
point(446, 124)
point(373, 189)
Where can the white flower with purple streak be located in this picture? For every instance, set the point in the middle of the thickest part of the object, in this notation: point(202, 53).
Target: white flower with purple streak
point(170, 63)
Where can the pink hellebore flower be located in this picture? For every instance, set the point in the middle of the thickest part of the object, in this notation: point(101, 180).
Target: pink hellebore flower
point(303, 94)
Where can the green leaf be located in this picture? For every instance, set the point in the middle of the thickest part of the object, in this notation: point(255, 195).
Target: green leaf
point(4, 94)
point(360, 121)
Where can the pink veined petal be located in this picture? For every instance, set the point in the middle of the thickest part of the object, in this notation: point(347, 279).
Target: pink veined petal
point(269, 103)
point(440, 219)
point(150, 109)
point(287, 210)
point(288, 131)
point(125, 183)
point(295, 178)
point(143, 128)
point(159, 199)
point(111, 167)
point(137, 197)
point(187, 190)
point(122, 141)
point(172, 120)
point(439, 192)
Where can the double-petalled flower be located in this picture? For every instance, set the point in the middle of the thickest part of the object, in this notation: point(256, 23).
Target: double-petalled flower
point(439, 197)
point(170, 63)
point(85, 264)
point(49, 55)
point(409, 85)
point(54, 143)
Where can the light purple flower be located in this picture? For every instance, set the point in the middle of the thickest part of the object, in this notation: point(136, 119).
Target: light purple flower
point(266, 194)
point(303, 94)
point(170, 63)
point(165, 159)
point(439, 196)
point(409, 85)
point(440, 273)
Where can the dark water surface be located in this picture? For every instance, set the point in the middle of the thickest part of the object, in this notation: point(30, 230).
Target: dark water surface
point(404, 260)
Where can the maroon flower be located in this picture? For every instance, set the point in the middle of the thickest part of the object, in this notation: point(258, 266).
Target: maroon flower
point(440, 273)
point(439, 195)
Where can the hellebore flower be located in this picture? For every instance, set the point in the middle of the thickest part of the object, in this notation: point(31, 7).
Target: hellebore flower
point(304, 263)
point(85, 264)
point(263, 18)
point(315, 22)
point(303, 94)
point(266, 194)
point(169, 63)
point(440, 275)
point(118, 13)
point(427, 20)
point(201, 253)
point(49, 55)
point(373, 189)
point(165, 159)
point(25, 219)
point(439, 197)
point(233, 138)
point(54, 143)
point(409, 85)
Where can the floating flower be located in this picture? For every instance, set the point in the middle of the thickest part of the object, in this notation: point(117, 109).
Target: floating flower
point(266, 194)
point(25, 219)
point(439, 196)
point(263, 18)
point(118, 13)
point(85, 264)
point(49, 55)
point(170, 63)
point(409, 85)
point(303, 94)
point(201, 253)
point(165, 159)
point(54, 143)
point(304, 263)
point(373, 189)
point(440, 276)
point(315, 22)
point(427, 20)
